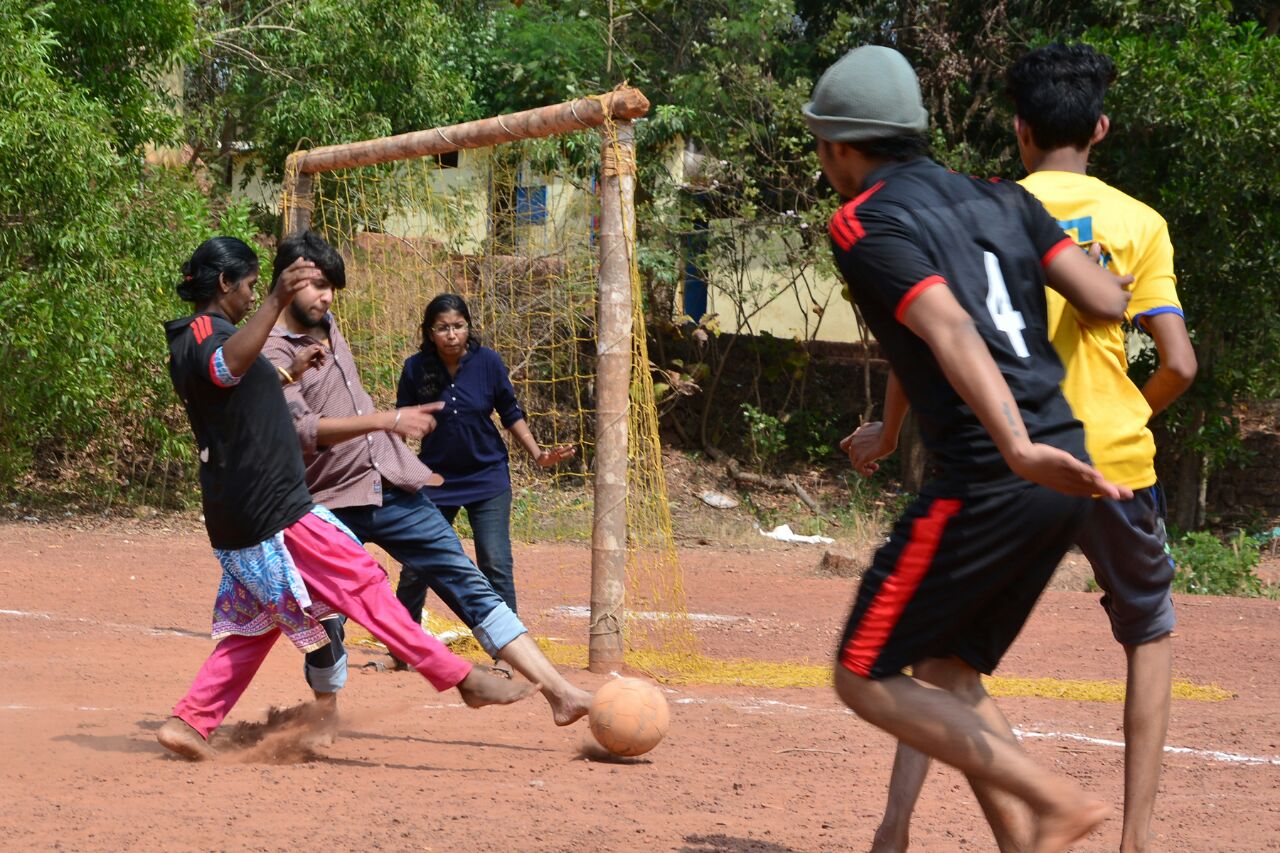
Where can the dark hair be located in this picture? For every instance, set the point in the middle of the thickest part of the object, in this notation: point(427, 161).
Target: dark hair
point(215, 258)
point(314, 248)
point(435, 376)
point(1057, 90)
point(895, 148)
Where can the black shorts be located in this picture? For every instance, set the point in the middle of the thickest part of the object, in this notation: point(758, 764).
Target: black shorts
point(958, 578)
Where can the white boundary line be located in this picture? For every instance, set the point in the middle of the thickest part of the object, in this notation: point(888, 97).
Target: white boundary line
point(81, 620)
point(756, 706)
point(752, 706)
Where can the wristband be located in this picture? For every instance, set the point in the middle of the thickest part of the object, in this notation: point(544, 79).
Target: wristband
point(396, 422)
point(285, 375)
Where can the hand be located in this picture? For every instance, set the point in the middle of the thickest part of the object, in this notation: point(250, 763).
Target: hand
point(434, 479)
point(309, 356)
point(866, 444)
point(293, 278)
point(416, 421)
point(552, 456)
point(1058, 470)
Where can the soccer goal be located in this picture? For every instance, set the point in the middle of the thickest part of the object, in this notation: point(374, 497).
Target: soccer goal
point(531, 218)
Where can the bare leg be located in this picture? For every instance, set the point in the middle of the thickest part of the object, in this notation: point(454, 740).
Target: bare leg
point(909, 770)
point(939, 724)
point(177, 736)
point(568, 703)
point(479, 688)
point(1009, 819)
point(1146, 722)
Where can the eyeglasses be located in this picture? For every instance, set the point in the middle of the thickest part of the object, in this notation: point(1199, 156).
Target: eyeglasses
point(445, 328)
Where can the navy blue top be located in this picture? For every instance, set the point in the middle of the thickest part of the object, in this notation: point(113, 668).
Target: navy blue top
point(465, 447)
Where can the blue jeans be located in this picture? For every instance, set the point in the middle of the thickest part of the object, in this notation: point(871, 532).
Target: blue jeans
point(411, 529)
point(491, 530)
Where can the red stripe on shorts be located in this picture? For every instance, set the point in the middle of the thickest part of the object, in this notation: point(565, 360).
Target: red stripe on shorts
point(860, 653)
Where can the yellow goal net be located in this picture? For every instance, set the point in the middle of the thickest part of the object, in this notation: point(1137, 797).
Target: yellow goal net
point(529, 217)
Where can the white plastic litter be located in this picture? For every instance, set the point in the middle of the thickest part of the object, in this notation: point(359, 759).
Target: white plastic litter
point(783, 533)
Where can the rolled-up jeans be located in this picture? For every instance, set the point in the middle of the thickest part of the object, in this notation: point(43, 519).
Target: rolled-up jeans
point(413, 531)
point(491, 531)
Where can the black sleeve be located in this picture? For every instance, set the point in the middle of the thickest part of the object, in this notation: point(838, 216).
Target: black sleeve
point(1046, 234)
point(883, 261)
point(203, 351)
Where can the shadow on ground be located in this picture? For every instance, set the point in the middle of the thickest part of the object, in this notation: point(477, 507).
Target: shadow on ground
point(730, 844)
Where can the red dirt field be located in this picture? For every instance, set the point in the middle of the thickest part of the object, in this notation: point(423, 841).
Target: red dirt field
point(104, 627)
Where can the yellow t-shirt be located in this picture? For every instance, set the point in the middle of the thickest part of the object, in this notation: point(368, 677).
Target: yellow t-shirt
point(1135, 241)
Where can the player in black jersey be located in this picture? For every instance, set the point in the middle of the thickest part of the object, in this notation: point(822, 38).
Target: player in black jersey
point(949, 273)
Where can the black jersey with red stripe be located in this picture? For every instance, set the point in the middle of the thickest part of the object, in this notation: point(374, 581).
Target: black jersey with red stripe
point(918, 225)
point(252, 479)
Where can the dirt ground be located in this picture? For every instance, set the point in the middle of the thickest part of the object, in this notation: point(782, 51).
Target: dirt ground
point(103, 628)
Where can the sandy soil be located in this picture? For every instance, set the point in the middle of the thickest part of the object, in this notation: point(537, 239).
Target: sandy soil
point(103, 628)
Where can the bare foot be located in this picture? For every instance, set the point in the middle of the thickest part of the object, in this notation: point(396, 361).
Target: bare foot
point(1058, 830)
point(569, 706)
point(176, 736)
point(321, 722)
point(480, 688)
point(887, 841)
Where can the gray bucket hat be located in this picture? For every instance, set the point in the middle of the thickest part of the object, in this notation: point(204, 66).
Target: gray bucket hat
point(870, 93)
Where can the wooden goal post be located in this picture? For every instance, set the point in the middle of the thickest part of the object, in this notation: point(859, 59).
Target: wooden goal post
point(613, 111)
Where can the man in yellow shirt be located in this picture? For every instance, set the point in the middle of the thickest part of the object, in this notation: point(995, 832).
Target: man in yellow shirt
point(1057, 92)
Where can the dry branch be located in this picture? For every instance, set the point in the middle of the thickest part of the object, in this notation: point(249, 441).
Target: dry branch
point(749, 478)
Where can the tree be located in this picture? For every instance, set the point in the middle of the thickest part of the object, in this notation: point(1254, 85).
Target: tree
point(88, 249)
point(277, 75)
point(1196, 112)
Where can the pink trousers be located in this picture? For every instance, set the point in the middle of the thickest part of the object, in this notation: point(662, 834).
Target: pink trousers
point(341, 574)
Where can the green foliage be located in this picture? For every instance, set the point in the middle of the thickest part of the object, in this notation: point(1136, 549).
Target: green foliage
point(1207, 565)
point(117, 51)
point(280, 76)
point(536, 53)
point(1198, 136)
point(87, 258)
point(766, 434)
point(813, 433)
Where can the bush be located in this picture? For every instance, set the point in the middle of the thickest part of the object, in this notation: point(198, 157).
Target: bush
point(766, 434)
point(1208, 566)
point(89, 251)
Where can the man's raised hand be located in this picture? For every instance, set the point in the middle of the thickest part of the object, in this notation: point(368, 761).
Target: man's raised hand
point(293, 278)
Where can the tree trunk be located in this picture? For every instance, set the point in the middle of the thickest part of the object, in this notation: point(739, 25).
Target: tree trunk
point(911, 450)
point(1187, 491)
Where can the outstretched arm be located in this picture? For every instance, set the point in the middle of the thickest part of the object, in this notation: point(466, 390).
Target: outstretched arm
point(547, 458)
point(409, 421)
point(938, 319)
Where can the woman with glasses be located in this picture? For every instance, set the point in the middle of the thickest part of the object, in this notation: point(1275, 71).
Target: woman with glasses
point(465, 448)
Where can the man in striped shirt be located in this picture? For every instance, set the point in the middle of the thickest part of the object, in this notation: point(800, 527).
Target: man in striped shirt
point(358, 465)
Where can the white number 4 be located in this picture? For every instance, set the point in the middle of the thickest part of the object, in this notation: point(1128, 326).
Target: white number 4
point(1000, 307)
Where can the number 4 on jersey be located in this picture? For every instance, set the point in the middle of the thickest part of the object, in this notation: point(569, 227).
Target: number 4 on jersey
point(1001, 308)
